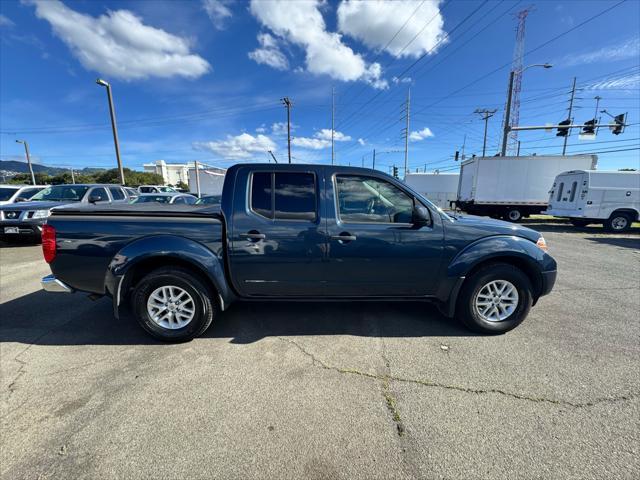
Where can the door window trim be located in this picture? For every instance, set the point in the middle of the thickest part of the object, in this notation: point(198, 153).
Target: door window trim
point(339, 220)
point(273, 173)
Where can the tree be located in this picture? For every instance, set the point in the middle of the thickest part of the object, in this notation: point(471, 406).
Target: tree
point(182, 186)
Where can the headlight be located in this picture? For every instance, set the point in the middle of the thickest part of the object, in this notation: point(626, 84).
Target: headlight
point(542, 244)
point(41, 214)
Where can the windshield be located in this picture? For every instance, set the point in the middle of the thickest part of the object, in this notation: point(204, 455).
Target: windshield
point(7, 193)
point(152, 198)
point(61, 193)
point(210, 200)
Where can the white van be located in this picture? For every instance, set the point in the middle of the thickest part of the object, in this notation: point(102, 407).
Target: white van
point(589, 196)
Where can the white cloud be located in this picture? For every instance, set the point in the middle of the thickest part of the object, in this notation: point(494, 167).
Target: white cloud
point(118, 45)
point(375, 23)
point(397, 80)
point(623, 50)
point(418, 135)
point(242, 146)
point(280, 128)
point(321, 139)
point(217, 11)
point(5, 21)
point(269, 53)
point(261, 129)
point(625, 81)
point(301, 23)
point(361, 141)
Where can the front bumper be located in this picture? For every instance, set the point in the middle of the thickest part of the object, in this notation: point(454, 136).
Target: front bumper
point(548, 281)
point(51, 284)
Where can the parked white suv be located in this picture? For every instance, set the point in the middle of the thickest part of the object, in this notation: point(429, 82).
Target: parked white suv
point(589, 196)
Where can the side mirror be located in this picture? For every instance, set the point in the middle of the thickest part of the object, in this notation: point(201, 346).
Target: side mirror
point(420, 215)
point(95, 198)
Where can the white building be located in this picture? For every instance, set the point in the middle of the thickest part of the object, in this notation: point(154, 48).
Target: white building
point(172, 173)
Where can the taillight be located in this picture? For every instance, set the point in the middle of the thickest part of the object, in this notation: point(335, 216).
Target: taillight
point(48, 243)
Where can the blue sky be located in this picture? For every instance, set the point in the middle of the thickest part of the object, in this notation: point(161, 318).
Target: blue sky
point(202, 80)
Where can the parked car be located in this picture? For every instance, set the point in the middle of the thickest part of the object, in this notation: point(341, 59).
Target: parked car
point(302, 232)
point(25, 219)
point(589, 196)
point(155, 189)
point(209, 200)
point(512, 187)
point(18, 193)
point(170, 198)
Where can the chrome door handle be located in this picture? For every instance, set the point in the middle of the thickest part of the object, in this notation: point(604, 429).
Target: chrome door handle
point(254, 236)
point(344, 237)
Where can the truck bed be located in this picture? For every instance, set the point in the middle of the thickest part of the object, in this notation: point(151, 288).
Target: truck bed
point(141, 209)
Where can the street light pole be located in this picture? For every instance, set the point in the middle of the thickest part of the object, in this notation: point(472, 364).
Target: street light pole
point(507, 110)
point(26, 151)
point(114, 128)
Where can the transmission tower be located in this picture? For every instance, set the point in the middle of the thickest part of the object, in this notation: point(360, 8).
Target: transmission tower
point(516, 68)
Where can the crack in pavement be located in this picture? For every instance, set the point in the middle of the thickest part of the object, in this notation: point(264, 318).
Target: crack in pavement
point(428, 383)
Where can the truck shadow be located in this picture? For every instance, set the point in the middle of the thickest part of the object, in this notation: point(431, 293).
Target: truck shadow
point(44, 319)
point(622, 242)
point(558, 226)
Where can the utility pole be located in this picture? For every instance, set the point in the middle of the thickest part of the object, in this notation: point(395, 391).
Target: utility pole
point(464, 144)
point(73, 177)
point(112, 112)
point(374, 160)
point(486, 115)
point(406, 134)
point(273, 156)
point(507, 116)
point(333, 128)
point(197, 167)
point(287, 103)
point(518, 152)
point(26, 151)
point(573, 93)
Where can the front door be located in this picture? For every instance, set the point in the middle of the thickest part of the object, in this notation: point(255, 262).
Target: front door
point(374, 248)
point(277, 247)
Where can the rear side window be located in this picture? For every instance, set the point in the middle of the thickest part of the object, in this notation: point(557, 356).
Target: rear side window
point(116, 193)
point(100, 194)
point(560, 189)
point(574, 187)
point(284, 195)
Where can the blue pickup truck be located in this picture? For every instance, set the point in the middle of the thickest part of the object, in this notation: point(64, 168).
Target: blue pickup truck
point(296, 232)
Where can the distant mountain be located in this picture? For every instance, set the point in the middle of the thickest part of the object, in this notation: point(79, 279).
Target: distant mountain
point(22, 167)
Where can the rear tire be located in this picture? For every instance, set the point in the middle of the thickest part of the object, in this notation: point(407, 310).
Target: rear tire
point(514, 309)
point(173, 305)
point(513, 215)
point(618, 222)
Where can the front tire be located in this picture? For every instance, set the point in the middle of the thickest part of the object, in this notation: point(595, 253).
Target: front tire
point(173, 305)
point(618, 223)
point(495, 299)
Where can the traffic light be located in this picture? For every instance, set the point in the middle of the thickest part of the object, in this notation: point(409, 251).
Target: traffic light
point(563, 131)
point(618, 126)
point(395, 171)
point(590, 127)
point(457, 157)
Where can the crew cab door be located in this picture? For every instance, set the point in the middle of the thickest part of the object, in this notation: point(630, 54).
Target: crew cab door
point(374, 248)
point(276, 246)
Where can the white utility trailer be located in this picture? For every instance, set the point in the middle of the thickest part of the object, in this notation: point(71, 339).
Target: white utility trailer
point(513, 187)
point(210, 181)
point(439, 188)
point(589, 196)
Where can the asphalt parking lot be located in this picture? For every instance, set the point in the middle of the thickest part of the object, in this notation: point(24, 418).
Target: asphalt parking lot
point(329, 390)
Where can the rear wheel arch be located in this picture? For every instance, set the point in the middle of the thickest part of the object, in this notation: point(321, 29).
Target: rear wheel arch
point(628, 211)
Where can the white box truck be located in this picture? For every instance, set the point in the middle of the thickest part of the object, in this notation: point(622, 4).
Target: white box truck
point(439, 188)
point(513, 187)
point(588, 196)
point(210, 181)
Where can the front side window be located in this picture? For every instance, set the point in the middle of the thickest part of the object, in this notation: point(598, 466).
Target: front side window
point(27, 193)
point(284, 195)
point(370, 200)
point(99, 194)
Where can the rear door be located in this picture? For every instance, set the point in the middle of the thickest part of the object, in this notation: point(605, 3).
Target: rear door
point(277, 244)
point(374, 249)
